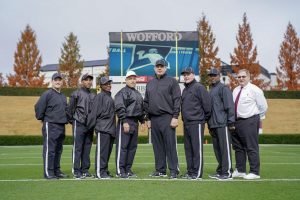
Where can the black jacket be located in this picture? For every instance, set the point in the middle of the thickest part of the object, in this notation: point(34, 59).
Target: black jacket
point(162, 97)
point(51, 107)
point(222, 106)
point(196, 103)
point(80, 105)
point(129, 104)
point(102, 115)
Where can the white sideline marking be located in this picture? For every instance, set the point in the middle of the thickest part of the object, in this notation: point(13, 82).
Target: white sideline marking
point(38, 164)
point(155, 179)
point(149, 145)
point(112, 157)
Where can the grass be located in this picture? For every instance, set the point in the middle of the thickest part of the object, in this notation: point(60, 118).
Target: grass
point(21, 178)
point(283, 116)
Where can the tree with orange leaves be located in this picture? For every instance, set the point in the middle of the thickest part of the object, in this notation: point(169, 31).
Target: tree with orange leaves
point(70, 63)
point(207, 50)
point(27, 62)
point(244, 56)
point(288, 72)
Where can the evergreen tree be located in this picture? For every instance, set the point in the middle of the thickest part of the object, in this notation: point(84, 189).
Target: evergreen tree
point(207, 50)
point(70, 63)
point(27, 62)
point(288, 71)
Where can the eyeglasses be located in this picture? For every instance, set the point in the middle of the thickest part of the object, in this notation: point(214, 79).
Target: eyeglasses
point(241, 77)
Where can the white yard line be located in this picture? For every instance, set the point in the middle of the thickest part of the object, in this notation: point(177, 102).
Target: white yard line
point(149, 145)
point(38, 164)
point(112, 157)
point(156, 179)
point(10, 157)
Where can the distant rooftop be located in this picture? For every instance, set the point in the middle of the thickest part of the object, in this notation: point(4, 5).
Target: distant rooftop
point(92, 63)
point(228, 68)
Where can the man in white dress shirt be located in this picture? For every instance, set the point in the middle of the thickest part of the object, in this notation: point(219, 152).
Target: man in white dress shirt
point(250, 108)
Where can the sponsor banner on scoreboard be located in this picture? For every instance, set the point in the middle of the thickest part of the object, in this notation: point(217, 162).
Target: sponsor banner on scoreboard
point(142, 49)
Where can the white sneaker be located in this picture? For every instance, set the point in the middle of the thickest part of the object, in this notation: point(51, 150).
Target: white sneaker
point(251, 176)
point(236, 174)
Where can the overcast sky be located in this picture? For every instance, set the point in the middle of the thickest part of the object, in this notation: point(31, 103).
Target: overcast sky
point(92, 20)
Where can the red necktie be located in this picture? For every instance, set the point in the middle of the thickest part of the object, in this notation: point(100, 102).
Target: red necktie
point(237, 101)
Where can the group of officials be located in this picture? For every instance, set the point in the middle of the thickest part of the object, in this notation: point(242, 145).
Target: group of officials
point(232, 119)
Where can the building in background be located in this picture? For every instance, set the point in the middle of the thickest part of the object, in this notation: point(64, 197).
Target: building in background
point(94, 67)
point(264, 75)
point(273, 78)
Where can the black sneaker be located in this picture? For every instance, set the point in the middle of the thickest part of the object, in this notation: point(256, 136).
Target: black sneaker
point(51, 177)
point(185, 176)
point(173, 176)
point(61, 175)
point(78, 176)
point(224, 178)
point(158, 174)
point(130, 174)
point(123, 176)
point(88, 175)
point(194, 178)
point(214, 176)
point(104, 176)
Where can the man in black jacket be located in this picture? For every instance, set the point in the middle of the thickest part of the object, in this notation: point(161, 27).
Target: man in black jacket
point(102, 118)
point(78, 109)
point(196, 108)
point(220, 123)
point(129, 109)
point(162, 107)
point(51, 110)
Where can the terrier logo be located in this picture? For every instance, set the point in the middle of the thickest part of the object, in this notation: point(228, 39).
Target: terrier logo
point(146, 56)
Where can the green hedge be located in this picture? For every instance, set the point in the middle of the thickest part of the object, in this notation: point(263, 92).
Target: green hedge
point(282, 94)
point(38, 140)
point(26, 140)
point(19, 91)
point(13, 91)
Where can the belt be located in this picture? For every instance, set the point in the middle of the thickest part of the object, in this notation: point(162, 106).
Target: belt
point(240, 118)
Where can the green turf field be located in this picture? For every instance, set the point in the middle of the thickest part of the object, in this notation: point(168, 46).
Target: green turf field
point(21, 178)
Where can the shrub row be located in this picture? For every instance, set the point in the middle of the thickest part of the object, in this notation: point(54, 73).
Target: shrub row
point(282, 94)
point(38, 140)
point(13, 91)
point(20, 91)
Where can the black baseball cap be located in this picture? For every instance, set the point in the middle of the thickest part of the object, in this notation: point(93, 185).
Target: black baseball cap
point(187, 70)
point(104, 80)
point(86, 75)
point(213, 71)
point(162, 62)
point(56, 75)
